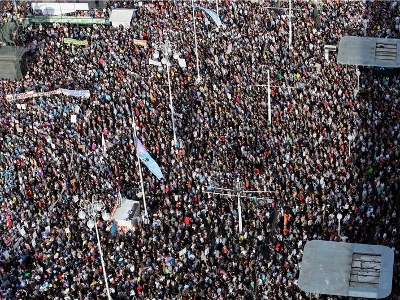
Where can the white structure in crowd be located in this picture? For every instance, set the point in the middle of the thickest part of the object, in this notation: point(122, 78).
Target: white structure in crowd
point(127, 213)
point(345, 269)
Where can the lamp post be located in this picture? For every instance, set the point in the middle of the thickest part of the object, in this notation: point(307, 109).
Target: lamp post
point(198, 79)
point(238, 190)
point(91, 211)
point(350, 138)
point(167, 50)
point(356, 91)
point(269, 99)
point(339, 217)
point(358, 73)
point(269, 96)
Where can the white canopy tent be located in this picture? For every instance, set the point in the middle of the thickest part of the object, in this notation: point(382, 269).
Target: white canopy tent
point(121, 17)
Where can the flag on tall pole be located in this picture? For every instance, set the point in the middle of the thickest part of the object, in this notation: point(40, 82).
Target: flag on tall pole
point(142, 152)
point(145, 157)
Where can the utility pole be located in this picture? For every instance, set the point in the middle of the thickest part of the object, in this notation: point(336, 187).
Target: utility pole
point(239, 192)
point(268, 85)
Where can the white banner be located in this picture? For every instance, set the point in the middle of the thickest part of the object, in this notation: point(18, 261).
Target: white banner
point(76, 93)
point(154, 62)
point(31, 94)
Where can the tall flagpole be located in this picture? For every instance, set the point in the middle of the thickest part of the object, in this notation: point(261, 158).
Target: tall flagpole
point(195, 43)
point(140, 169)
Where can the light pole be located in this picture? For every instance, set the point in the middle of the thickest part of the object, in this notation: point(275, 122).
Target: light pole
point(195, 43)
point(238, 190)
point(356, 91)
point(92, 210)
point(240, 193)
point(167, 50)
point(269, 96)
point(339, 217)
point(350, 138)
point(358, 73)
point(269, 99)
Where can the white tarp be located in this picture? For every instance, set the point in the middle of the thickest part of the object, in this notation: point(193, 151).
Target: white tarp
point(121, 17)
point(57, 9)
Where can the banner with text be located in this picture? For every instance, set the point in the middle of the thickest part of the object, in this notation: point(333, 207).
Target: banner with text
point(75, 42)
point(32, 94)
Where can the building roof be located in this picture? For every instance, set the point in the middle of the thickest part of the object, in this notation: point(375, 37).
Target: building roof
point(344, 269)
point(373, 52)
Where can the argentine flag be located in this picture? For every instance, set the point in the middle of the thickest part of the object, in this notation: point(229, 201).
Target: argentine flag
point(145, 157)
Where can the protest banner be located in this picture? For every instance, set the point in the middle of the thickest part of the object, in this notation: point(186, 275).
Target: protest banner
point(32, 94)
point(140, 42)
point(75, 42)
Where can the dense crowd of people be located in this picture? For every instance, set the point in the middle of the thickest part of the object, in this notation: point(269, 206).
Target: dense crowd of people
point(328, 149)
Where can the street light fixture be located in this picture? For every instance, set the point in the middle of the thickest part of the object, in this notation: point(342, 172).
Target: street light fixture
point(358, 73)
point(91, 211)
point(339, 216)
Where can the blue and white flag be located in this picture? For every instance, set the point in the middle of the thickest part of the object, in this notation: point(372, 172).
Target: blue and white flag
point(145, 157)
point(212, 14)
